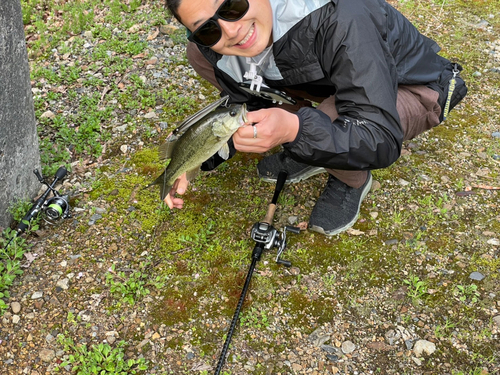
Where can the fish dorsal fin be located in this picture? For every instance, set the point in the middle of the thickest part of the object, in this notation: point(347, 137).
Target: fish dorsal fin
point(191, 175)
point(188, 122)
point(224, 151)
point(165, 149)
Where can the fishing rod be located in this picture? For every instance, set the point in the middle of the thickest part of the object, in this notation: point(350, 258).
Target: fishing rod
point(54, 208)
point(265, 237)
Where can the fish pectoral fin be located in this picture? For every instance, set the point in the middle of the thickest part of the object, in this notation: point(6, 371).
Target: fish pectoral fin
point(191, 175)
point(165, 150)
point(224, 151)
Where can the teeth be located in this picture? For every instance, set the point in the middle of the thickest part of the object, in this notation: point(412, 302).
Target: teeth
point(250, 33)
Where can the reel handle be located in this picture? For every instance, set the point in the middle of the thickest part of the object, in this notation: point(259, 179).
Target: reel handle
point(61, 173)
point(284, 262)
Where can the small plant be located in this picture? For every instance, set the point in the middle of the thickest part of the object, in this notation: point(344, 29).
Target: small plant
point(18, 210)
point(129, 289)
point(100, 359)
point(460, 184)
point(254, 319)
point(134, 287)
point(417, 288)
point(10, 262)
point(329, 279)
point(440, 330)
point(201, 240)
point(467, 293)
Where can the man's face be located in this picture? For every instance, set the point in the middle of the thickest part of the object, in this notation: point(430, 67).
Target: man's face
point(246, 37)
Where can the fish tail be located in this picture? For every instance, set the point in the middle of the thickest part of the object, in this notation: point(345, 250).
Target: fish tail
point(161, 180)
point(164, 190)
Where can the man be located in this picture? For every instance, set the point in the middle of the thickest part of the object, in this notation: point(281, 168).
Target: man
point(377, 80)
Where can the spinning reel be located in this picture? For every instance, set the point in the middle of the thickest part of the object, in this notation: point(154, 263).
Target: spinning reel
point(52, 209)
point(57, 207)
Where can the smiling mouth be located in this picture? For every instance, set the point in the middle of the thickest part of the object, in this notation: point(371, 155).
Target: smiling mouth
point(248, 36)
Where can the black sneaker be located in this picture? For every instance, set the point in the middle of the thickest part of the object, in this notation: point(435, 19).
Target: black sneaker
point(337, 209)
point(269, 168)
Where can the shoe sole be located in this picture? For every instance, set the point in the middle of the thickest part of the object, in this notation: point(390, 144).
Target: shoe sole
point(304, 176)
point(365, 192)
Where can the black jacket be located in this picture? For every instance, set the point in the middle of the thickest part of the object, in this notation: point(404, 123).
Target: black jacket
point(359, 51)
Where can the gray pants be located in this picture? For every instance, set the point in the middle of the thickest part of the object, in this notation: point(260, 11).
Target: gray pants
point(417, 106)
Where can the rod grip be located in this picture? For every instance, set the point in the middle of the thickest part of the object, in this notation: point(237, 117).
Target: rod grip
point(270, 214)
point(280, 182)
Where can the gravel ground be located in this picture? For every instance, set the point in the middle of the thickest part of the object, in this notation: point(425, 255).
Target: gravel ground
point(348, 305)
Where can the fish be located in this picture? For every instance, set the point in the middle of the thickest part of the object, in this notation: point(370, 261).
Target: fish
point(196, 140)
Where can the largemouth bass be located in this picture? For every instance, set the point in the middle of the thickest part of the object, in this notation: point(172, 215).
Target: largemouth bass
point(204, 136)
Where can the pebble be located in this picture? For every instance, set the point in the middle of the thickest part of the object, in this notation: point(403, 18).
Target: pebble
point(49, 338)
point(151, 115)
point(48, 114)
point(409, 344)
point(417, 361)
point(403, 182)
point(495, 134)
point(348, 347)
point(123, 149)
point(330, 349)
point(63, 284)
point(16, 319)
point(16, 307)
point(493, 241)
point(392, 336)
point(496, 320)
point(476, 276)
point(391, 242)
point(37, 295)
point(94, 218)
point(424, 346)
point(47, 355)
point(168, 29)
point(319, 337)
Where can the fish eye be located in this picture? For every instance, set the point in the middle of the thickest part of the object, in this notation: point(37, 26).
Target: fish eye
point(232, 113)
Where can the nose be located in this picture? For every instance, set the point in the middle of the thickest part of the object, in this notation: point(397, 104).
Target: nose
point(229, 29)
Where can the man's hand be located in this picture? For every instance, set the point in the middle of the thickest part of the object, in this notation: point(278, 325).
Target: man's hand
point(273, 127)
point(179, 187)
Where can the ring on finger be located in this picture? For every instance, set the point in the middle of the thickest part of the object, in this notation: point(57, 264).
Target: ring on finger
point(255, 131)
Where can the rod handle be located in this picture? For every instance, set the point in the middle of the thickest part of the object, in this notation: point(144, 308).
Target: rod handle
point(280, 182)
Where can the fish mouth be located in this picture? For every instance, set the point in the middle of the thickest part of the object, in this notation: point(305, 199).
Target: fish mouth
point(244, 113)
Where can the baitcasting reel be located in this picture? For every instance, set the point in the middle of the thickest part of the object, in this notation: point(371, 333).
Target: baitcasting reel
point(270, 237)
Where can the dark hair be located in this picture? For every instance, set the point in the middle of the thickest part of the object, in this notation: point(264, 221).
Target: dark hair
point(173, 7)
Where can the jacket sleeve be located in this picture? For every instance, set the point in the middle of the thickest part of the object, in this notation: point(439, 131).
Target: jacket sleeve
point(367, 134)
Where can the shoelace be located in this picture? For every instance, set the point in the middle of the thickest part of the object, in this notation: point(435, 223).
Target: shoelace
point(332, 194)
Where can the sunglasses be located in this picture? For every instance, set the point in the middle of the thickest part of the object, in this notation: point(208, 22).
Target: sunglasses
point(209, 33)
